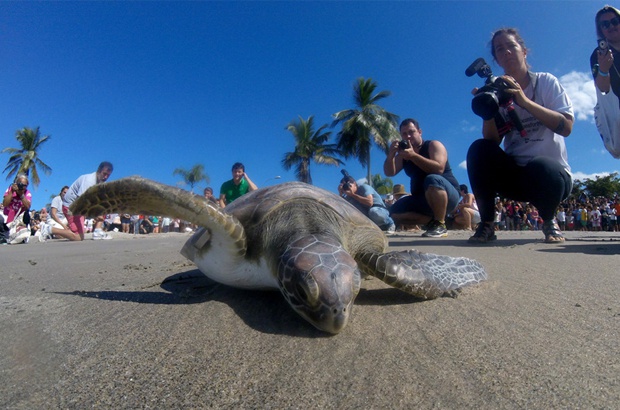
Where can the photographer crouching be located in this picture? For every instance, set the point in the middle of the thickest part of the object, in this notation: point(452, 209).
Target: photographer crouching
point(533, 166)
point(368, 201)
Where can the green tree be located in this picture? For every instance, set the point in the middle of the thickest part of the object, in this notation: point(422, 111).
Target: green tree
point(366, 123)
point(606, 186)
point(310, 145)
point(192, 176)
point(25, 160)
point(383, 186)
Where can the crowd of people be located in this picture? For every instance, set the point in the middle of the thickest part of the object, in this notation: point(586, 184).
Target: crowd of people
point(521, 155)
point(19, 223)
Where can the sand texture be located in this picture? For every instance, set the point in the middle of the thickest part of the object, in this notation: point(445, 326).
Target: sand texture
point(129, 323)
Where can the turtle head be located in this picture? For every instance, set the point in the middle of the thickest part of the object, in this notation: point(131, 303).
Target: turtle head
point(320, 280)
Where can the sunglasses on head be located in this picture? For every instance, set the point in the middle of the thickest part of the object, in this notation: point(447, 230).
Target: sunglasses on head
point(608, 23)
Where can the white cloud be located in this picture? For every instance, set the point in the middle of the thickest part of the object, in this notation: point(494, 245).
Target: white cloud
point(583, 176)
point(580, 89)
point(463, 164)
point(467, 127)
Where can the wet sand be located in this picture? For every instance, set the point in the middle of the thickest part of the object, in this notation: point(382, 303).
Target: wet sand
point(129, 323)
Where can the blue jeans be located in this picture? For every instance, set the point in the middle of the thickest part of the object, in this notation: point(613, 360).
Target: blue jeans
point(381, 217)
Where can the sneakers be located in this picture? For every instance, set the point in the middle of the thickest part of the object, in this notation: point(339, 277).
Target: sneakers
point(436, 229)
point(485, 233)
point(391, 229)
point(45, 232)
point(100, 235)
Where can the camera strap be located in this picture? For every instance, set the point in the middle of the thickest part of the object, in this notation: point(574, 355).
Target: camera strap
point(534, 82)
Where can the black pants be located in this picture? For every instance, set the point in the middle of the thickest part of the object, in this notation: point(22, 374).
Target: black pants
point(4, 230)
point(543, 181)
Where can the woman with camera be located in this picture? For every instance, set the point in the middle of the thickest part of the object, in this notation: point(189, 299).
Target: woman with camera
point(16, 201)
point(607, 77)
point(533, 167)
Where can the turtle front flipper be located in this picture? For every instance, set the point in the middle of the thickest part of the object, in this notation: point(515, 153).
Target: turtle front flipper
point(423, 275)
point(143, 196)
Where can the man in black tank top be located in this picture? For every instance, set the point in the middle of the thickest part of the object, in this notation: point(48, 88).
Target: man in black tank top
point(434, 189)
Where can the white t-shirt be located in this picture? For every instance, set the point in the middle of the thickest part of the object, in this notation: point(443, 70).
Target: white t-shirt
point(57, 203)
point(540, 140)
point(79, 187)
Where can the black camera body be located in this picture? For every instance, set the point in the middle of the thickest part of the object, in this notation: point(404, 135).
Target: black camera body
point(403, 145)
point(20, 185)
point(491, 96)
point(346, 185)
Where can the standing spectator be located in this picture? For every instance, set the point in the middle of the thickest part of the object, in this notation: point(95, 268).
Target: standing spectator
point(434, 189)
point(125, 222)
point(533, 166)
point(510, 212)
point(532, 217)
point(595, 218)
point(500, 215)
point(165, 224)
point(76, 222)
point(584, 212)
point(240, 184)
point(155, 220)
point(561, 218)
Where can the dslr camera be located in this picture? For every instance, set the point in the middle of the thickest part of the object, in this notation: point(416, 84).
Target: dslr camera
point(403, 145)
point(346, 185)
point(491, 96)
point(20, 185)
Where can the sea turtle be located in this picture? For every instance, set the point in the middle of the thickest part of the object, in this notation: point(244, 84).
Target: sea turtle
point(307, 242)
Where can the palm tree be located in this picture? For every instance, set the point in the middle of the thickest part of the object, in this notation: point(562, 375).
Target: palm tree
point(310, 145)
point(192, 176)
point(365, 123)
point(382, 185)
point(25, 160)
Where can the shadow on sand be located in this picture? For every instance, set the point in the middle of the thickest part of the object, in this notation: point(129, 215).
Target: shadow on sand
point(264, 311)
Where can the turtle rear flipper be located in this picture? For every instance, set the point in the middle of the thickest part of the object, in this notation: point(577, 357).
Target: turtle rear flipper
point(424, 275)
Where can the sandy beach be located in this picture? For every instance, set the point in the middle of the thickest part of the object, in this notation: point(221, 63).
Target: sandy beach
point(129, 323)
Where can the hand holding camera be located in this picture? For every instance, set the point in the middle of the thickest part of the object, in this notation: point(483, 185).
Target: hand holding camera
point(605, 58)
point(493, 95)
point(403, 145)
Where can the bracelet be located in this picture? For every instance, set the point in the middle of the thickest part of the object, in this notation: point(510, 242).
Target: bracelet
point(603, 73)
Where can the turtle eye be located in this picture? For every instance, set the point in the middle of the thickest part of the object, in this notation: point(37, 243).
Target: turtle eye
point(300, 292)
point(307, 290)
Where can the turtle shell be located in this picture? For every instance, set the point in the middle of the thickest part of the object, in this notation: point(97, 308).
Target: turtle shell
point(293, 209)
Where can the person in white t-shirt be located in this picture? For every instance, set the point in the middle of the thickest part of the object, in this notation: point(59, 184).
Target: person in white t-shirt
point(533, 166)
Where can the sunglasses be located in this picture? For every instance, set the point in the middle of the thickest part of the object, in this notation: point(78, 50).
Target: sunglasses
point(608, 23)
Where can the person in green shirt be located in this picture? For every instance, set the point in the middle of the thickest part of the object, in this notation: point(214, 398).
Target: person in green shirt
point(240, 184)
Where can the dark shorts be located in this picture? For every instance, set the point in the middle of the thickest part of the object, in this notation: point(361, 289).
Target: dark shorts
point(418, 204)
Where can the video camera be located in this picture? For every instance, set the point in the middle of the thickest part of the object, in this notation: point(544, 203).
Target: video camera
point(491, 96)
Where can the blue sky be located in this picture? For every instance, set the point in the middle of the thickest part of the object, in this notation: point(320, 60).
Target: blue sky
point(154, 86)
